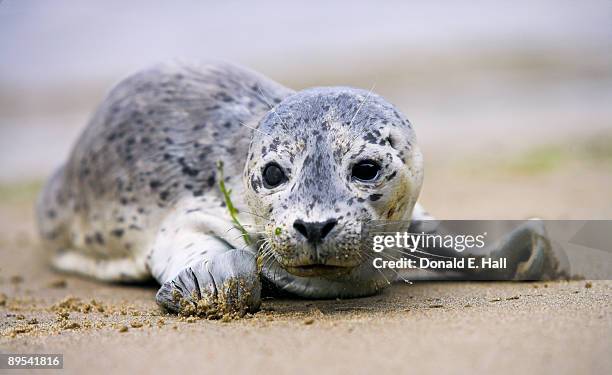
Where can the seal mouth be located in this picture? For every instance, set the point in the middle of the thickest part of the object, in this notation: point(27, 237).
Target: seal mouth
point(311, 270)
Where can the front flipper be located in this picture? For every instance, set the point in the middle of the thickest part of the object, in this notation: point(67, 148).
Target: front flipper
point(225, 285)
point(530, 255)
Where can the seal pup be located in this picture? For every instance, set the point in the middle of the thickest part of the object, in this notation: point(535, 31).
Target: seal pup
point(303, 172)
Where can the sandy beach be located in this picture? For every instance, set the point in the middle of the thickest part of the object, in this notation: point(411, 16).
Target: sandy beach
point(428, 327)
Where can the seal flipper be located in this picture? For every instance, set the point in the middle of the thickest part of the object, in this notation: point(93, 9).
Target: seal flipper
point(530, 254)
point(527, 250)
point(226, 284)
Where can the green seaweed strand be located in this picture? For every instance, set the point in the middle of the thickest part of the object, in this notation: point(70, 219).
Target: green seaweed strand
point(230, 206)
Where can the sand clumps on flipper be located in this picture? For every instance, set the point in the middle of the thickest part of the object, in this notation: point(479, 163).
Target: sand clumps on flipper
point(232, 302)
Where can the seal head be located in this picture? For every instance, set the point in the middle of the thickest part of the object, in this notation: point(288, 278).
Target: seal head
point(324, 163)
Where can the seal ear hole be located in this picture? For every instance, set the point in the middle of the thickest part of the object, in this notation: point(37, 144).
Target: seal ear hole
point(366, 170)
point(391, 141)
point(273, 175)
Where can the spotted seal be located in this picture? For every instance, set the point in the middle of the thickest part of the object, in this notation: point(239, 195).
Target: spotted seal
point(140, 196)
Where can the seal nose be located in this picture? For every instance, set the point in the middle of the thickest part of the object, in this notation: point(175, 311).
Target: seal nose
point(314, 232)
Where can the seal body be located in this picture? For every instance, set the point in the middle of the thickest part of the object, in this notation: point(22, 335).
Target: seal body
point(304, 174)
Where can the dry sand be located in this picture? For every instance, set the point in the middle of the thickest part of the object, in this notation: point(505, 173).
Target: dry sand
point(555, 327)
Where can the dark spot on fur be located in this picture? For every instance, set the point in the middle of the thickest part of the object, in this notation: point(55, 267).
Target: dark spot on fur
point(99, 238)
point(375, 197)
point(186, 169)
point(117, 232)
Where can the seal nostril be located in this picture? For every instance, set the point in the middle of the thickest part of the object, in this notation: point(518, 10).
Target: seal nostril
point(327, 227)
point(300, 226)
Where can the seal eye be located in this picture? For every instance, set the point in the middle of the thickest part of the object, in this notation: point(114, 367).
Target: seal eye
point(366, 170)
point(273, 176)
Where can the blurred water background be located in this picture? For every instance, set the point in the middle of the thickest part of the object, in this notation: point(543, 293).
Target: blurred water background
point(477, 78)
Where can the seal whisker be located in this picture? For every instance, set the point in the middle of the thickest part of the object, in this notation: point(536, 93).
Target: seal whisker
point(254, 214)
point(361, 105)
point(252, 128)
point(388, 256)
point(422, 251)
point(272, 109)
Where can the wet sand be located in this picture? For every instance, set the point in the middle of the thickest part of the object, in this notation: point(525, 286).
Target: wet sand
point(555, 328)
